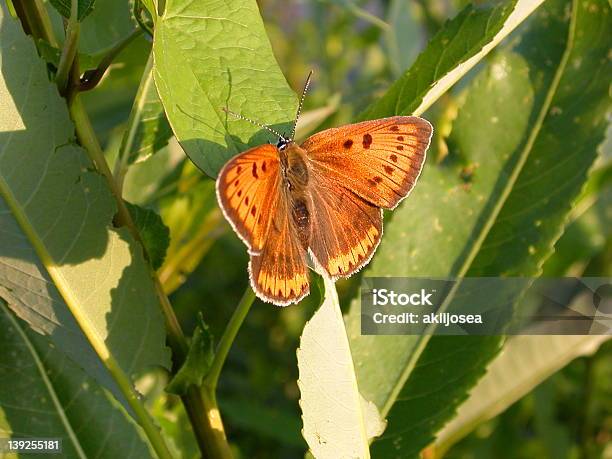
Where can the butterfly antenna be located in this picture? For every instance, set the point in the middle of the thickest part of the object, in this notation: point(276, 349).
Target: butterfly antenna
point(256, 123)
point(299, 110)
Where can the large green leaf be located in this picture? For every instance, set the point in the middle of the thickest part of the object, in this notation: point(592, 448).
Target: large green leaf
point(44, 394)
point(63, 268)
point(211, 55)
point(423, 237)
point(496, 206)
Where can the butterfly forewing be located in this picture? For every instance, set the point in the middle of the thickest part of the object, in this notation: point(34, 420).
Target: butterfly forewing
point(279, 273)
point(247, 189)
point(379, 160)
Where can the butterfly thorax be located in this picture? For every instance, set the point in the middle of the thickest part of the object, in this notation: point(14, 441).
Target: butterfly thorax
point(294, 171)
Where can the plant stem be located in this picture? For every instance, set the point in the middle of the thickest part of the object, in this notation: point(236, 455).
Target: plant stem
point(228, 338)
point(91, 78)
point(136, 116)
point(87, 138)
point(69, 50)
point(137, 11)
point(35, 20)
point(216, 442)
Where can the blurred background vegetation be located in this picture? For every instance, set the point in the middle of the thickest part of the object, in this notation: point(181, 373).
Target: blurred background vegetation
point(356, 49)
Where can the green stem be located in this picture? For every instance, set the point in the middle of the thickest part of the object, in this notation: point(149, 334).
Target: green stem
point(368, 17)
point(87, 138)
point(138, 15)
point(69, 50)
point(216, 443)
point(35, 20)
point(91, 78)
point(134, 122)
point(231, 330)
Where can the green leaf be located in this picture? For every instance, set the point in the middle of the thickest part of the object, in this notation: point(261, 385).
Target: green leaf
point(455, 49)
point(525, 362)
point(155, 234)
point(494, 207)
point(63, 7)
point(63, 268)
point(338, 421)
point(44, 394)
point(211, 55)
point(434, 244)
point(148, 130)
point(198, 361)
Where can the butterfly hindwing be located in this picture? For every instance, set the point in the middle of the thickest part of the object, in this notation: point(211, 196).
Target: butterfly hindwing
point(247, 189)
point(379, 160)
point(279, 273)
point(346, 229)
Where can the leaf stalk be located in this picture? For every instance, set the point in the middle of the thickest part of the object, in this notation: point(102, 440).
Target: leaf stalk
point(229, 335)
point(69, 50)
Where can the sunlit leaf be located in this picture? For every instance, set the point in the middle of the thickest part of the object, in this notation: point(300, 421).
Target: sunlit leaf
point(338, 422)
point(209, 56)
point(455, 49)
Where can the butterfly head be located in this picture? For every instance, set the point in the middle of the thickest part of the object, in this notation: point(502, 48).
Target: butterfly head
point(283, 143)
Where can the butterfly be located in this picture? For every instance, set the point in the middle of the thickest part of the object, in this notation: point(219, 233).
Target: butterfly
point(323, 198)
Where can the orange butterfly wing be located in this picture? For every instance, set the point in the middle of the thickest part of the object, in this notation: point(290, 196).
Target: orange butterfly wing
point(250, 191)
point(279, 273)
point(247, 191)
point(379, 160)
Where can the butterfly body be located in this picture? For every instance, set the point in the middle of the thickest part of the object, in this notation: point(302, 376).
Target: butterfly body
point(294, 176)
point(323, 197)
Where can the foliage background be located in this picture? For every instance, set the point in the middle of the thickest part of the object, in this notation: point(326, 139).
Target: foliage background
point(357, 50)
